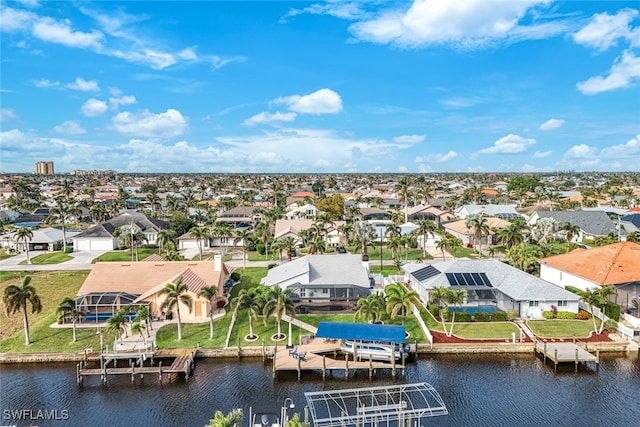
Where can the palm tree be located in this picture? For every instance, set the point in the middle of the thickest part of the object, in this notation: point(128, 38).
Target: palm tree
point(511, 235)
point(16, 298)
point(634, 237)
point(25, 234)
point(604, 292)
point(425, 228)
point(242, 235)
point(455, 297)
point(400, 299)
point(144, 315)
point(69, 309)
point(287, 243)
point(165, 237)
point(404, 194)
point(209, 293)
point(246, 300)
point(571, 230)
point(232, 419)
point(592, 298)
point(442, 245)
point(117, 324)
point(478, 224)
point(369, 309)
point(452, 244)
point(200, 234)
point(138, 328)
point(317, 245)
point(440, 294)
point(280, 303)
point(176, 293)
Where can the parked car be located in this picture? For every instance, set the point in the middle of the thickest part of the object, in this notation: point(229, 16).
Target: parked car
point(341, 249)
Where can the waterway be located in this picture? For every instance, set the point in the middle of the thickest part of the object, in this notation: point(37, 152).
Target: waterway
point(478, 390)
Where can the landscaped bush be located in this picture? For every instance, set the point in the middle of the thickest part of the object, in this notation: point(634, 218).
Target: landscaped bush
point(461, 316)
point(566, 315)
point(583, 315)
point(434, 310)
point(547, 314)
point(482, 316)
point(499, 316)
point(235, 276)
point(260, 248)
point(574, 290)
point(512, 314)
point(612, 311)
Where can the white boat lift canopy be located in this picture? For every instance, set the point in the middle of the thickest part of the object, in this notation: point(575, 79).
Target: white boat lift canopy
point(375, 406)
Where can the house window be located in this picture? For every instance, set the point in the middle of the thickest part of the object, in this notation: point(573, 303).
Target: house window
point(224, 240)
point(563, 303)
point(534, 303)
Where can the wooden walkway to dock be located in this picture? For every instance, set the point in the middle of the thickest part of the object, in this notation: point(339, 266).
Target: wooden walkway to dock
point(325, 357)
point(182, 364)
point(564, 352)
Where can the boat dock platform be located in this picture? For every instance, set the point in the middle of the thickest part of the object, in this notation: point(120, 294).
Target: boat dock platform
point(325, 357)
point(565, 352)
point(183, 363)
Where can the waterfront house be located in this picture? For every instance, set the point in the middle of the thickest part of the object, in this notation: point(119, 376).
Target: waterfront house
point(113, 285)
point(462, 231)
point(323, 282)
point(490, 285)
point(592, 223)
point(506, 212)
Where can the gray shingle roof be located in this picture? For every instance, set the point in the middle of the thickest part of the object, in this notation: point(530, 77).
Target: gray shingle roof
point(596, 223)
point(343, 269)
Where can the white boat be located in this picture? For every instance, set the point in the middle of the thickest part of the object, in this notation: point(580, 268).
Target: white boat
point(365, 350)
point(265, 419)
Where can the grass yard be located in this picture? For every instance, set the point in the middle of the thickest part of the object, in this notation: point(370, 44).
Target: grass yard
point(488, 330)
point(558, 328)
point(249, 278)
point(125, 255)
point(51, 287)
point(50, 258)
point(4, 254)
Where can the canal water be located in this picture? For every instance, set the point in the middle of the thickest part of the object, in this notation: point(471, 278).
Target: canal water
point(478, 390)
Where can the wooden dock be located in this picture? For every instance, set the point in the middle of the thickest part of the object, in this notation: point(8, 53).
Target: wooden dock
point(565, 352)
point(326, 357)
point(182, 363)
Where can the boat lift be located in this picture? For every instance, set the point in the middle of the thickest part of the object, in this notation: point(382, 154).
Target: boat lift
point(395, 405)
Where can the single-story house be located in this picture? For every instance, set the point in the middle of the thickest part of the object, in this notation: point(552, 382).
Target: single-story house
point(113, 285)
point(491, 284)
point(102, 236)
point(460, 230)
point(426, 212)
point(307, 211)
point(44, 239)
point(592, 223)
point(240, 216)
point(506, 212)
point(323, 282)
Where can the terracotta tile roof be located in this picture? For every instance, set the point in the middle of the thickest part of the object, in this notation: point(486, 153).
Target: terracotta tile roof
point(302, 195)
point(607, 265)
point(153, 258)
point(140, 277)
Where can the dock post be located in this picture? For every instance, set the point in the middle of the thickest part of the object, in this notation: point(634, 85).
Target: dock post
point(133, 368)
point(346, 366)
point(160, 371)
point(264, 352)
point(78, 376)
point(299, 370)
point(324, 367)
point(370, 368)
point(393, 364)
point(273, 365)
point(576, 367)
point(555, 362)
point(404, 366)
point(598, 359)
point(545, 352)
point(238, 347)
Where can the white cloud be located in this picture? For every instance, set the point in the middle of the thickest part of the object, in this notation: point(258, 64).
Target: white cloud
point(631, 148)
point(604, 30)
point(580, 151)
point(266, 117)
point(93, 107)
point(219, 62)
point(344, 10)
point(541, 154)
point(623, 73)
point(116, 102)
point(153, 58)
point(410, 139)
point(50, 30)
point(463, 23)
point(169, 124)
point(69, 127)
point(15, 19)
point(552, 124)
point(84, 85)
point(510, 144)
point(437, 158)
point(459, 102)
point(188, 54)
point(7, 114)
point(46, 83)
point(323, 101)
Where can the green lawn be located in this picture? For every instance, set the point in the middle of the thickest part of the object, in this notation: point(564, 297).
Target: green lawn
point(50, 258)
point(411, 254)
point(558, 328)
point(4, 254)
point(486, 330)
point(125, 255)
point(387, 270)
point(249, 278)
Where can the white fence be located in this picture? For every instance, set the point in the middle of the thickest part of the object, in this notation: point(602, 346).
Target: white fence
point(623, 330)
point(424, 327)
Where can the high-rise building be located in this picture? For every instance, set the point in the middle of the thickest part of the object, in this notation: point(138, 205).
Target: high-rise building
point(44, 168)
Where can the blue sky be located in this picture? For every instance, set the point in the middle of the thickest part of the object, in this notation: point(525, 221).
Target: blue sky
point(338, 86)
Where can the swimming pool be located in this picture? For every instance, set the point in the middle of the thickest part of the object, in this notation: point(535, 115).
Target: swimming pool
point(27, 224)
point(474, 309)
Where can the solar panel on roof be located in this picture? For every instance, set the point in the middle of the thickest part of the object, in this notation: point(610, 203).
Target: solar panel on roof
point(468, 279)
point(486, 280)
point(451, 279)
point(425, 273)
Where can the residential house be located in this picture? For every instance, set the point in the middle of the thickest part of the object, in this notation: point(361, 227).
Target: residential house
point(323, 283)
point(506, 212)
point(102, 236)
point(307, 211)
point(426, 212)
point(462, 231)
point(592, 223)
point(241, 216)
point(300, 198)
point(44, 239)
point(113, 285)
point(490, 285)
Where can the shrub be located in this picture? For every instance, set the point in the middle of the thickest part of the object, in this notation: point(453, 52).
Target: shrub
point(272, 265)
point(583, 315)
point(482, 316)
point(260, 248)
point(461, 316)
point(499, 316)
point(547, 314)
point(512, 314)
point(574, 290)
point(235, 276)
point(612, 310)
point(434, 310)
point(566, 315)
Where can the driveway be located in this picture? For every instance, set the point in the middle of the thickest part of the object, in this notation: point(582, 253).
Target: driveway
point(80, 261)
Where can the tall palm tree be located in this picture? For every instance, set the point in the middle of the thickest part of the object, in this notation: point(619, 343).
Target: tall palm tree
point(176, 294)
point(209, 293)
point(17, 297)
point(478, 225)
point(440, 295)
point(250, 301)
point(279, 303)
point(69, 309)
point(403, 188)
point(604, 292)
point(242, 235)
point(165, 237)
point(425, 228)
point(455, 297)
point(200, 234)
point(25, 234)
point(592, 298)
point(571, 230)
point(442, 245)
point(400, 299)
point(117, 324)
point(317, 245)
point(512, 235)
point(144, 315)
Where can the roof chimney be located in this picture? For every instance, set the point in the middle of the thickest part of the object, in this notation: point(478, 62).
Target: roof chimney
point(217, 262)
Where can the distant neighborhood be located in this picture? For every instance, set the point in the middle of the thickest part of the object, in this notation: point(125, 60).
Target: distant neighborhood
point(526, 245)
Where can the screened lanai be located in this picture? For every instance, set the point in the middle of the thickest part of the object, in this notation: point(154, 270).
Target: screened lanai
point(99, 306)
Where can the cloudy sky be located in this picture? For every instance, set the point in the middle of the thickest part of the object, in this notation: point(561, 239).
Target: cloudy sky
point(337, 86)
